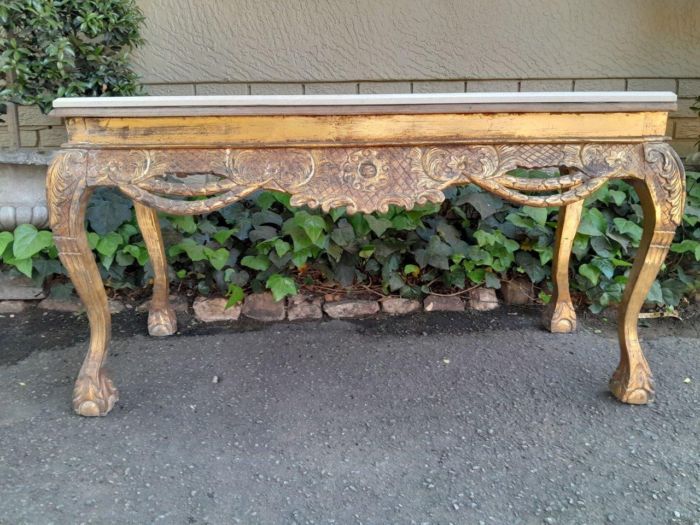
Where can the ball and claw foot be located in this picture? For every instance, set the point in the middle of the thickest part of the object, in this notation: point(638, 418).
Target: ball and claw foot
point(633, 388)
point(559, 318)
point(94, 398)
point(162, 322)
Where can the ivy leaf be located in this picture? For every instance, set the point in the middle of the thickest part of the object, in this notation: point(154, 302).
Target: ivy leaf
point(484, 203)
point(29, 241)
point(606, 267)
point(411, 269)
point(687, 245)
point(24, 266)
point(256, 262)
point(282, 198)
point(491, 280)
point(281, 286)
point(450, 235)
point(593, 223)
point(265, 200)
point(313, 225)
point(282, 247)
point(300, 257)
point(266, 217)
point(655, 294)
point(337, 213)
point(617, 196)
point(477, 276)
point(262, 233)
point(194, 251)
point(437, 253)
point(590, 272)
point(109, 244)
point(5, 240)
point(602, 246)
point(672, 291)
point(367, 251)
point(484, 238)
point(546, 254)
point(343, 234)
point(138, 252)
point(378, 226)
point(217, 258)
point(539, 215)
point(629, 228)
point(531, 266)
point(108, 209)
point(299, 237)
point(359, 224)
point(222, 236)
point(403, 221)
point(93, 239)
point(521, 221)
point(235, 295)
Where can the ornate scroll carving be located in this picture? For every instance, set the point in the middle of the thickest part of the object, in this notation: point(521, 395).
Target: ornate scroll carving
point(67, 195)
point(370, 179)
point(664, 172)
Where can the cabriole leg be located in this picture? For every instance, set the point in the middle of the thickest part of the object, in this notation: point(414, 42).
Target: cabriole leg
point(67, 196)
point(161, 317)
point(662, 196)
point(560, 316)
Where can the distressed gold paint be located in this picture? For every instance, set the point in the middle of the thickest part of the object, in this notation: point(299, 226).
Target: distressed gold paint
point(365, 163)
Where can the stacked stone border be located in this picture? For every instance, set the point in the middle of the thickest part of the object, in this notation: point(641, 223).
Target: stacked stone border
point(20, 294)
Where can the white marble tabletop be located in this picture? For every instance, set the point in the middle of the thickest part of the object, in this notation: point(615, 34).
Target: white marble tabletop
point(413, 99)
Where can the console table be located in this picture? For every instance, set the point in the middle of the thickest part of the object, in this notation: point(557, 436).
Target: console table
point(364, 152)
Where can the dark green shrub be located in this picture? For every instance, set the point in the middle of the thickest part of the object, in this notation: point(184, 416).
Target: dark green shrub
point(58, 48)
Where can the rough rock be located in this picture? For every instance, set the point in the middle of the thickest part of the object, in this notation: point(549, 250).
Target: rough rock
point(19, 288)
point(440, 303)
point(483, 299)
point(69, 304)
point(517, 291)
point(213, 309)
point(302, 307)
point(115, 306)
point(351, 308)
point(262, 307)
point(12, 307)
point(400, 305)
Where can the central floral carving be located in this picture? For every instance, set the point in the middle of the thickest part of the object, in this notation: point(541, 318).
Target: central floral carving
point(364, 170)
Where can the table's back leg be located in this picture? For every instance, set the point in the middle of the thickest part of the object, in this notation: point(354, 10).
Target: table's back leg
point(662, 195)
point(161, 317)
point(560, 316)
point(67, 196)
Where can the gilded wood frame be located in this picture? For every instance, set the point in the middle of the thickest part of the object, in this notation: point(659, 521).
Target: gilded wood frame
point(364, 168)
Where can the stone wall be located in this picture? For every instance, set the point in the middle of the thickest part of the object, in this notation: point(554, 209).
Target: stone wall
point(378, 46)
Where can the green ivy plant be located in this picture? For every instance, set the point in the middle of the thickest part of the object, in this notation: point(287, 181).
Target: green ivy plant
point(62, 48)
point(473, 238)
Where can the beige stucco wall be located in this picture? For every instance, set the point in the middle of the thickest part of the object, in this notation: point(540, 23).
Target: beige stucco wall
point(351, 40)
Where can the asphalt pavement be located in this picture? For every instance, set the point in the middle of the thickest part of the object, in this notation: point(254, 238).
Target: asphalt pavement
point(432, 418)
